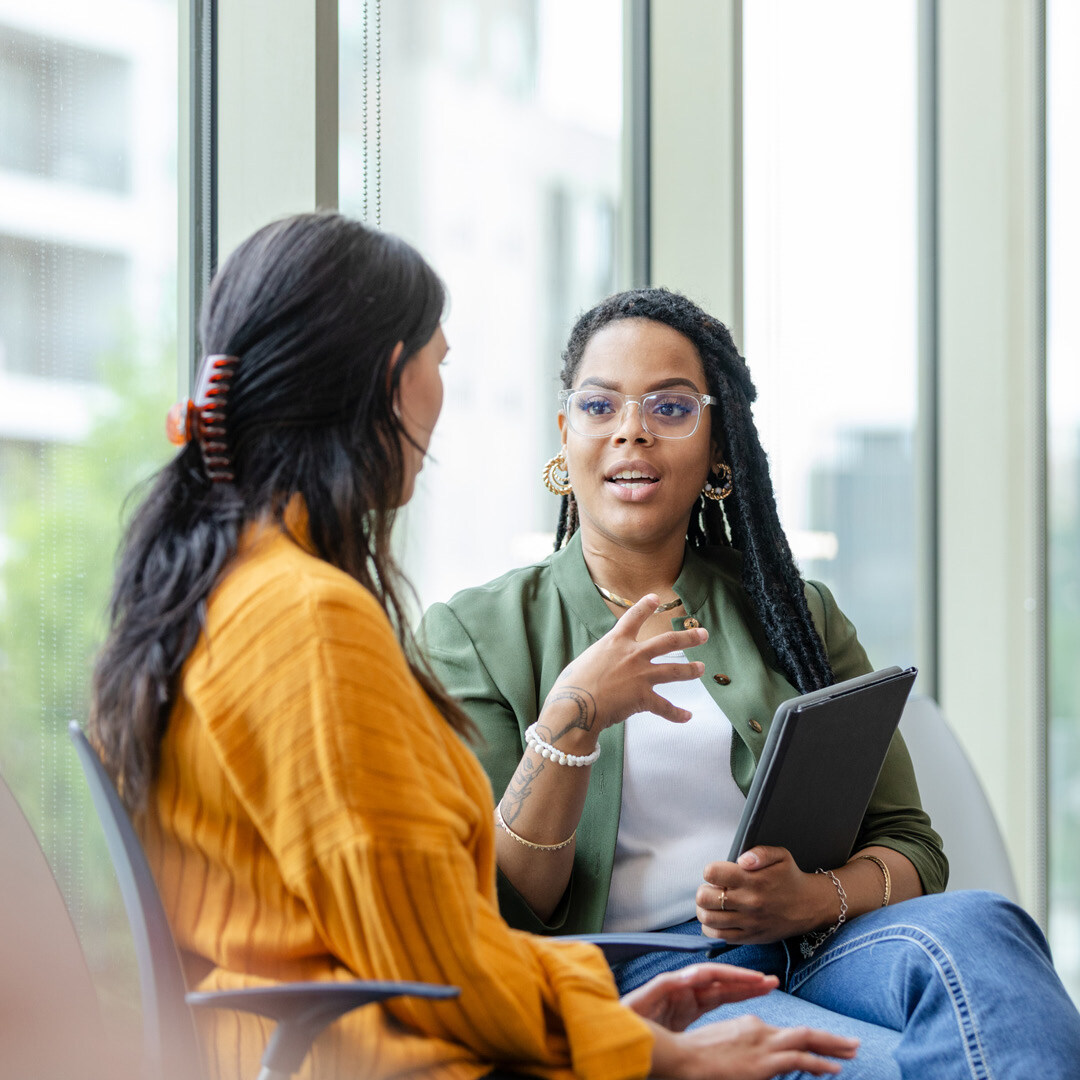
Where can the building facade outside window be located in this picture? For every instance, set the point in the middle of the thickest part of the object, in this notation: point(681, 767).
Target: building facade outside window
point(88, 211)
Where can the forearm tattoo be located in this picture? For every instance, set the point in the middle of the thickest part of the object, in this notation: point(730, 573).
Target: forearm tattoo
point(520, 788)
point(584, 703)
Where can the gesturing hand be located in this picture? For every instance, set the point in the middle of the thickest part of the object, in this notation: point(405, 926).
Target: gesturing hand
point(615, 676)
point(747, 1048)
point(677, 998)
point(762, 897)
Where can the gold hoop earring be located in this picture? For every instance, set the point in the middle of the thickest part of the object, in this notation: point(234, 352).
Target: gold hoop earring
point(719, 492)
point(556, 484)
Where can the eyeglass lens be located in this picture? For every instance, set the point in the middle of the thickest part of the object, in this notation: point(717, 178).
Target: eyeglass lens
point(667, 415)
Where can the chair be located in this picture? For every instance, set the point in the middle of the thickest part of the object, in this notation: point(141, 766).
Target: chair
point(618, 947)
point(50, 1026)
point(955, 800)
point(170, 1044)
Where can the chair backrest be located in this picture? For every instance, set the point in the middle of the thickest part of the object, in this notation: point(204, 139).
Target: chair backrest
point(955, 800)
point(170, 1042)
point(50, 1025)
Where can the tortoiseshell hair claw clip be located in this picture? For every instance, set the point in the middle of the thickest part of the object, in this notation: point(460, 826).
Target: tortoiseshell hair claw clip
point(203, 419)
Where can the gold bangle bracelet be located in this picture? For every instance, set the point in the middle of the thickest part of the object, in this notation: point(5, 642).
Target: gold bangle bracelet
point(528, 843)
point(885, 871)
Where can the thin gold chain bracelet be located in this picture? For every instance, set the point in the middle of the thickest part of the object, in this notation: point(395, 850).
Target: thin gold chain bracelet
point(885, 870)
point(529, 843)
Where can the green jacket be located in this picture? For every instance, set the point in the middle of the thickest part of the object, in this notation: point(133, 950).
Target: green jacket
point(498, 649)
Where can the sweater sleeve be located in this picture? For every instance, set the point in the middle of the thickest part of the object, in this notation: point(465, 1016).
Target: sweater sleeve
point(381, 826)
point(457, 663)
point(895, 817)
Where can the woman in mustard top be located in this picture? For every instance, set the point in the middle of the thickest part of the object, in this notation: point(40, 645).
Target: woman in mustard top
point(299, 777)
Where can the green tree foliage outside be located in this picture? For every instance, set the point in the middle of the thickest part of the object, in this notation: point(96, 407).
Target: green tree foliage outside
point(62, 508)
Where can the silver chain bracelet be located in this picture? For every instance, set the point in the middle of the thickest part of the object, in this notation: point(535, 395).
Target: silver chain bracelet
point(813, 940)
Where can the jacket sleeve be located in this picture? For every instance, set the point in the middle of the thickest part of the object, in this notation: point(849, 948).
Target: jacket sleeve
point(457, 663)
point(895, 817)
point(371, 808)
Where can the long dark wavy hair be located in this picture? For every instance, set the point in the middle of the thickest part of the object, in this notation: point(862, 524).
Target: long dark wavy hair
point(747, 519)
point(312, 306)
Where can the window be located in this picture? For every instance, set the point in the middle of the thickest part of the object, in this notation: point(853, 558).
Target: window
point(87, 370)
point(831, 316)
point(49, 288)
point(67, 110)
point(1063, 496)
point(489, 135)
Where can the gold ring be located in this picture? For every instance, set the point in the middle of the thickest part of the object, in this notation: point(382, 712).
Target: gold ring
point(723, 895)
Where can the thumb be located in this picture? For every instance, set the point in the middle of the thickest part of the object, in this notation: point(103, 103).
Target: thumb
point(757, 858)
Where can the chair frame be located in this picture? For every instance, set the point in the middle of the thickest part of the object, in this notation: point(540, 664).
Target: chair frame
point(170, 1041)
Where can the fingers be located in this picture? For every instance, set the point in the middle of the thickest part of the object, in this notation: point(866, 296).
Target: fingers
point(713, 897)
point(796, 1061)
point(659, 705)
point(648, 998)
point(676, 641)
point(766, 1050)
point(757, 858)
point(636, 614)
point(663, 673)
point(711, 973)
point(673, 640)
point(797, 1049)
point(676, 999)
point(720, 874)
point(720, 916)
point(817, 1041)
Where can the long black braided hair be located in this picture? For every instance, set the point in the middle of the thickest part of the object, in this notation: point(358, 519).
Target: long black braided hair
point(747, 520)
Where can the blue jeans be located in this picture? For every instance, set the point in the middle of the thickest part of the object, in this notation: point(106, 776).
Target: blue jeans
point(957, 985)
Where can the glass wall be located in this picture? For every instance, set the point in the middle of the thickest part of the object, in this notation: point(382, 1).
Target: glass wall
point(488, 133)
point(87, 370)
point(830, 233)
point(1063, 416)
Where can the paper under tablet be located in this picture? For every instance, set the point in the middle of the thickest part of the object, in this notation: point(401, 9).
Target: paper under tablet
point(819, 767)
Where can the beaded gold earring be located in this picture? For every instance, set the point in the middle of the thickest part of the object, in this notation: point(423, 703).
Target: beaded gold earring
point(556, 476)
point(719, 492)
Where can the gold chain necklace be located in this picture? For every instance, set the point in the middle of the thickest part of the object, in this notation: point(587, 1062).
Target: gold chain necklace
point(621, 601)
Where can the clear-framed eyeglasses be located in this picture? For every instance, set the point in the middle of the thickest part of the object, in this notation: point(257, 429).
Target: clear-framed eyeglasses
point(666, 414)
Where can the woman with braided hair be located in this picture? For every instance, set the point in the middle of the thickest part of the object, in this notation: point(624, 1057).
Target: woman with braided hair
point(668, 524)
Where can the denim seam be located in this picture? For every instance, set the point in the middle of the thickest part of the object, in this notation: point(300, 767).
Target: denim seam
point(947, 969)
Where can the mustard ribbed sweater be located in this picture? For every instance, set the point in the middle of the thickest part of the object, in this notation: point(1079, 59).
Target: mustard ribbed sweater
point(314, 817)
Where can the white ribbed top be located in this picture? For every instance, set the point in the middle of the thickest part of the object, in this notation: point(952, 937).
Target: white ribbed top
point(680, 808)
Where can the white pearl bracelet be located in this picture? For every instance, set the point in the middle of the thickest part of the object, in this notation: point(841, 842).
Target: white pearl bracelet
point(553, 753)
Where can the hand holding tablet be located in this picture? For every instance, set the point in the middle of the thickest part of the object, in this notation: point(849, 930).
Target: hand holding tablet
point(819, 766)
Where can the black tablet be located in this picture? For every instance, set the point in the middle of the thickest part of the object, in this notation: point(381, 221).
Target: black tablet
point(818, 769)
